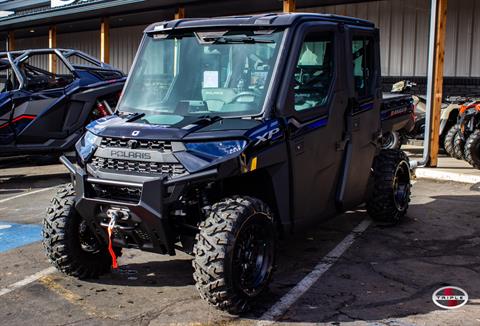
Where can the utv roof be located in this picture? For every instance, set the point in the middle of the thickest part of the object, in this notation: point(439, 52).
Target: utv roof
point(263, 20)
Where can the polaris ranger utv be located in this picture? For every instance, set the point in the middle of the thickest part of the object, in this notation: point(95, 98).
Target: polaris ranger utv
point(230, 132)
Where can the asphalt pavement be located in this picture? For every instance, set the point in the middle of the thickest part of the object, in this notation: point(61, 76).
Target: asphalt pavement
point(380, 276)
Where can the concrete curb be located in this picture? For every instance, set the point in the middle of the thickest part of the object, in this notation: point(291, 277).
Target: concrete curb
point(436, 174)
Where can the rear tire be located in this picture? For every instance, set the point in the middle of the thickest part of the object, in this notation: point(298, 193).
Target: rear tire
point(390, 197)
point(234, 253)
point(458, 146)
point(391, 140)
point(69, 244)
point(472, 149)
point(449, 139)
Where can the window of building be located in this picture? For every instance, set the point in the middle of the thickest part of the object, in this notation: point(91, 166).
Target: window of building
point(314, 71)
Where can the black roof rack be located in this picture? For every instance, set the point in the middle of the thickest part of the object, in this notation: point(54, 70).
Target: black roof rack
point(266, 20)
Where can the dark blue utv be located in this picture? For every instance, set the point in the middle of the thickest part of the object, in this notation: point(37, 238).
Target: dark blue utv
point(48, 96)
point(231, 131)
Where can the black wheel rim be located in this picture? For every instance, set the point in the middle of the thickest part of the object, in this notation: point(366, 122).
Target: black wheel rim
point(87, 239)
point(401, 186)
point(253, 255)
point(388, 141)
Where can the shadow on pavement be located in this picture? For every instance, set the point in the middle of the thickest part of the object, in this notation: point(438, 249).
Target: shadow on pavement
point(152, 273)
point(392, 272)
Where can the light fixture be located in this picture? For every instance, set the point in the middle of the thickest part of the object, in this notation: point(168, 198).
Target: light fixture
point(32, 31)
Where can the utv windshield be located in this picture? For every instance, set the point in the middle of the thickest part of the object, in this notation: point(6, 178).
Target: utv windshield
point(201, 74)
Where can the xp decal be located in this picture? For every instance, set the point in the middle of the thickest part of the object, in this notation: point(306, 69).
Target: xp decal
point(268, 132)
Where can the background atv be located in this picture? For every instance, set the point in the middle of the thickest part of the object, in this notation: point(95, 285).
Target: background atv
point(448, 116)
point(247, 128)
point(46, 110)
point(467, 123)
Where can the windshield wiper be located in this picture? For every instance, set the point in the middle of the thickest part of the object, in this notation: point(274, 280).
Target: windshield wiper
point(131, 116)
point(227, 40)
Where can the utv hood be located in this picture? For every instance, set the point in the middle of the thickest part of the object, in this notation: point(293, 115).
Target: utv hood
point(181, 128)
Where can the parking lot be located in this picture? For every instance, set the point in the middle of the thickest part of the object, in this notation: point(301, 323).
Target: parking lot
point(380, 276)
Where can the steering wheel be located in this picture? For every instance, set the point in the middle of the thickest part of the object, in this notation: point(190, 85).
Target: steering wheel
point(243, 94)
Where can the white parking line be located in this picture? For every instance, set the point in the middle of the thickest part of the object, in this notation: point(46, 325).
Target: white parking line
point(26, 194)
point(281, 307)
point(27, 280)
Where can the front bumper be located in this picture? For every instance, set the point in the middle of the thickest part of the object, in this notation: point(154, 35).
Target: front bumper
point(148, 226)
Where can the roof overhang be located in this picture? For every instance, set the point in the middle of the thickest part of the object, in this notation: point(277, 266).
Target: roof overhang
point(95, 9)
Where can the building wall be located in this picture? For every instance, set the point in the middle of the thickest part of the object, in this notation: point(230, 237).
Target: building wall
point(40, 61)
point(88, 42)
point(123, 46)
point(403, 27)
point(404, 34)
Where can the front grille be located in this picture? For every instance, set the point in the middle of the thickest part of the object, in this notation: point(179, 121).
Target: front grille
point(172, 169)
point(160, 145)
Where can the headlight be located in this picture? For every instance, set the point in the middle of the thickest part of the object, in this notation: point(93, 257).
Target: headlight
point(86, 146)
point(214, 150)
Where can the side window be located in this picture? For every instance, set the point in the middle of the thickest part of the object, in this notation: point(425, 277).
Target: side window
point(314, 71)
point(37, 76)
point(363, 66)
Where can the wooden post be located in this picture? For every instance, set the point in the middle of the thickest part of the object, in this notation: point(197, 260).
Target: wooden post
point(288, 5)
point(105, 40)
point(438, 80)
point(180, 13)
point(11, 41)
point(52, 44)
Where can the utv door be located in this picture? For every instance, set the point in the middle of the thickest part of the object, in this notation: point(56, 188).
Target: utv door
point(314, 108)
point(362, 116)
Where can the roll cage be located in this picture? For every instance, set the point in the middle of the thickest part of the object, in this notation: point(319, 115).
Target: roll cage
point(16, 58)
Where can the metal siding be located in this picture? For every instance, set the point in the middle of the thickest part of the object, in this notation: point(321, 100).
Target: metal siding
point(421, 42)
point(464, 37)
point(88, 42)
point(31, 43)
point(475, 62)
point(123, 46)
point(40, 61)
point(409, 36)
point(403, 28)
point(384, 24)
point(451, 40)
